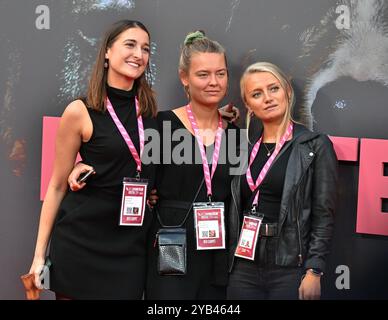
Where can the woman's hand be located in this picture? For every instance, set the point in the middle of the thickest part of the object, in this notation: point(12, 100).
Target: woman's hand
point(230, 113)
point(78, 169)
point(310, 288)
point(152, 198)
point(36, 269)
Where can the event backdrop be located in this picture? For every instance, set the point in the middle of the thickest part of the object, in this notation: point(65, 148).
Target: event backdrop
point(335, 52)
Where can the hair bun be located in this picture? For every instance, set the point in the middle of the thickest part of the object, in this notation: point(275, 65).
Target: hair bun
point(194, 36)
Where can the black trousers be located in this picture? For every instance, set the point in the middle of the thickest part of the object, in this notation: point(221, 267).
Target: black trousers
point(262, 279)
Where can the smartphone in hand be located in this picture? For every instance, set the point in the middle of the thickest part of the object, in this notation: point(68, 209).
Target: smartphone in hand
point(85, 175)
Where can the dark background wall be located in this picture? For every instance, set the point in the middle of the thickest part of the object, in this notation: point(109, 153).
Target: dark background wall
point(338, 64)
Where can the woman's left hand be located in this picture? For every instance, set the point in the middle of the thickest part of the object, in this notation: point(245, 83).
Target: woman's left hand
point(230, 112)
point(310, 288)
point(152, 198)
point(78, 169)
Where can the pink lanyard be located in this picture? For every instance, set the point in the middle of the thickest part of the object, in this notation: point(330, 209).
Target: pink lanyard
point(252, 185)
point(125, 134)
point(216, 153)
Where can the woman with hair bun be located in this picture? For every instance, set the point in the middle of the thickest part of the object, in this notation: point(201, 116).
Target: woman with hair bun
point(181, 185)
point(180, 176)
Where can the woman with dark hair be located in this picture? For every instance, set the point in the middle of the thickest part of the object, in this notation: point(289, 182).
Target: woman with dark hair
point(285, 201)
point(98, 244)
point(180, 173)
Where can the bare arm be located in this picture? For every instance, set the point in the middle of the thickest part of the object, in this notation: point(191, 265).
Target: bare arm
point(68, 141)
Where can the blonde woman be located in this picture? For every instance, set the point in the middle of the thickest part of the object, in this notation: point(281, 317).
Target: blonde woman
point(287, 194)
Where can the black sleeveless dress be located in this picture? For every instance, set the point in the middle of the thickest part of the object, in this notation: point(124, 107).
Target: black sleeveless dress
point(92, 256)
point(207, 272)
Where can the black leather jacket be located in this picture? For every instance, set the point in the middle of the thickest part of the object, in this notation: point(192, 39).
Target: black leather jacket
point(306, 212)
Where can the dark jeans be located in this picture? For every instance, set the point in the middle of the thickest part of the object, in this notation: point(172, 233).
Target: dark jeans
point(262, 279)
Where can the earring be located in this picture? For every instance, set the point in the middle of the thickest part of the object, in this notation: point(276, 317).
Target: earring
point(187, 90)
point(106, 64)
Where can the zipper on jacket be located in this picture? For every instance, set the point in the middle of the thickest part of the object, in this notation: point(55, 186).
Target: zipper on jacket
point(300, 242)
point(300, 256)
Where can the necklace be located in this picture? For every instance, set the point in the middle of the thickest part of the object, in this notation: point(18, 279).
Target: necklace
point(269, 151)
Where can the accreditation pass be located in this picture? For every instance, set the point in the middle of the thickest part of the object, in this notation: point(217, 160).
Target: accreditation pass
point(209, 225)
point(133, 202)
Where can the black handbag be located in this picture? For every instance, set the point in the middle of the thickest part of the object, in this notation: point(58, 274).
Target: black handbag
point(172, 247)
point(171, 251)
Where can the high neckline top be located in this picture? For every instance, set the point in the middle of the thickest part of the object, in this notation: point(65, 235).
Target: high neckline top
point(107, 150)
point(119, 94)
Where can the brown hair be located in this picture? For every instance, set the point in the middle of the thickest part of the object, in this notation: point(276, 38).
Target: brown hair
point(96, 94)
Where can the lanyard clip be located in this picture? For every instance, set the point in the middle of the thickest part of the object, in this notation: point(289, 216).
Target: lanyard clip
point(253, 210)
point(210, 198)
point(137, 175)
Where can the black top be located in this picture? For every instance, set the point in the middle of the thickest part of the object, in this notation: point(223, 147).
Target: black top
point(93, 257)
point(182, 170)
point(179, 179)
point(271, 189)
point(107, 151)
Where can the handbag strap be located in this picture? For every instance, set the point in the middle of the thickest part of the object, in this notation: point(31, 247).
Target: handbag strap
point(187, 213)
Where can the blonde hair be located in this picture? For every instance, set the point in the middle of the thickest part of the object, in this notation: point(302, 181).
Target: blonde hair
point(197, 42)
point(284, 82)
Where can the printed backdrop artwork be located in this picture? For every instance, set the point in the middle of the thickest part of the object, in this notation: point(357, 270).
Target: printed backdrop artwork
point(334, 51)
